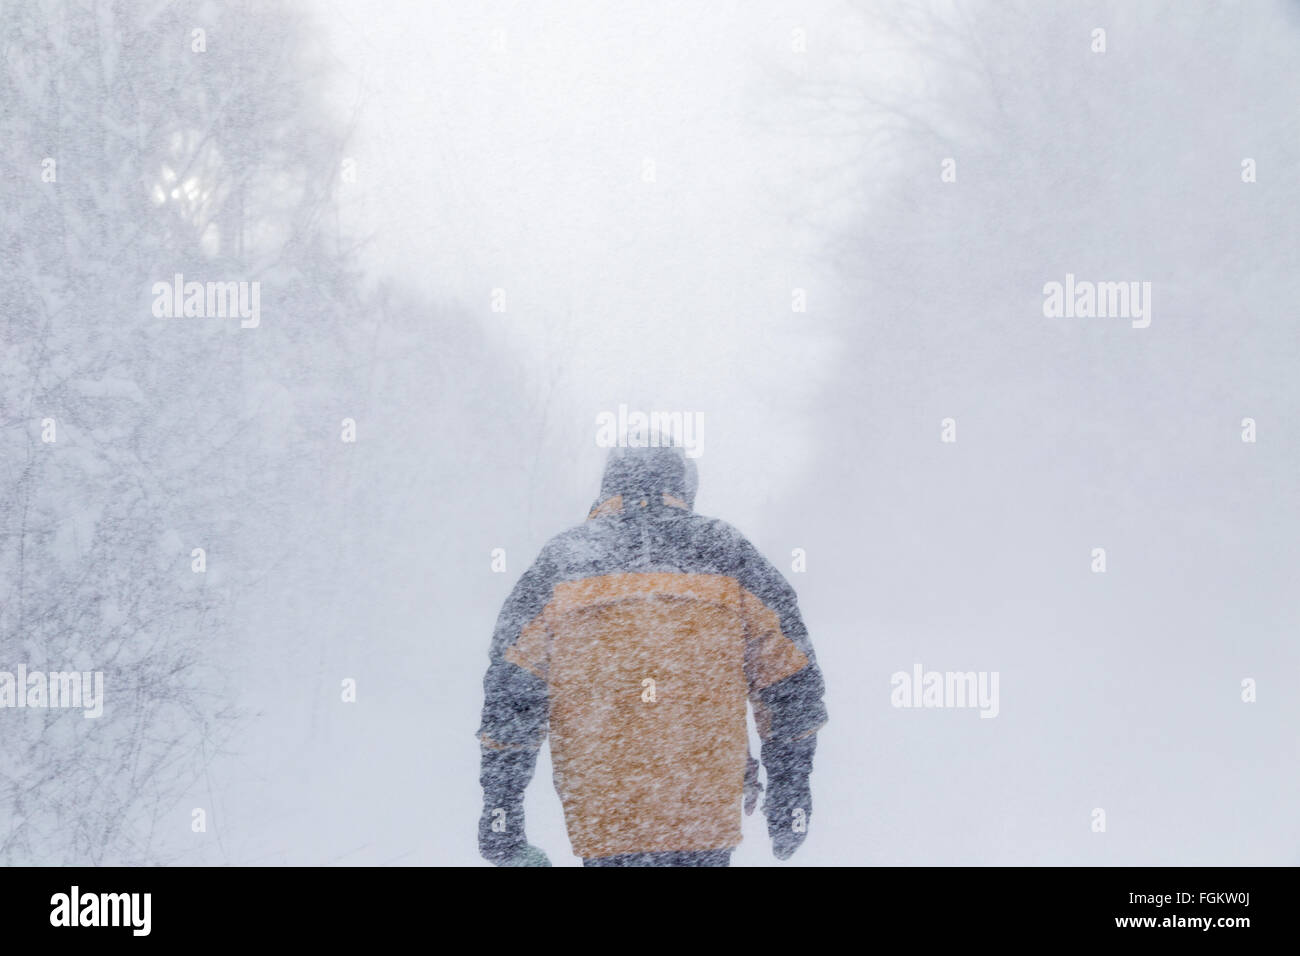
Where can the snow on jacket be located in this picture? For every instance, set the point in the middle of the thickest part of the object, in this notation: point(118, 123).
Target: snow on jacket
point(637, 638)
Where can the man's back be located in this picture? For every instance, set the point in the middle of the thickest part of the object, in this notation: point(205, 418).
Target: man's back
point(638, 636)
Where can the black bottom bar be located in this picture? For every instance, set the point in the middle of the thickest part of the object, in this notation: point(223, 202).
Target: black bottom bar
point(489, 907)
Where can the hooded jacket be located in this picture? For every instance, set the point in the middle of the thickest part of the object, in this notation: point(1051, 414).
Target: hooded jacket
point(636, 638)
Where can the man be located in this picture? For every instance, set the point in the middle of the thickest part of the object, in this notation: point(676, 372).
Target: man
point(637, 638)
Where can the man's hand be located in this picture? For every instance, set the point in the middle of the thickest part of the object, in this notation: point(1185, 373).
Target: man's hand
point(501, 839)
point(788, 806)
point(788, 811)
point(504, 775)
point(529, 856)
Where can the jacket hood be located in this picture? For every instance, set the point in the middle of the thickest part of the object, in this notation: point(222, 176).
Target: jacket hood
point(648, 473)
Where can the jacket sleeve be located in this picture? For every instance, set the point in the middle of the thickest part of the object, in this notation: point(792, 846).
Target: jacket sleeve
point(515, 713)
point(515, 707)
point(785, 684)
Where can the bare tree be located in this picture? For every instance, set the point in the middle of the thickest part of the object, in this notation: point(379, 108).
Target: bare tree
point(140, 142)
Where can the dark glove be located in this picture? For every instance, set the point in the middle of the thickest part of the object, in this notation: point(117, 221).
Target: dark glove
point(529, 856)
point(504, 775)
point(789, 798)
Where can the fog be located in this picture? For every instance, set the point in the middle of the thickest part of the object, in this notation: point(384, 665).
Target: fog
point(826, 229)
